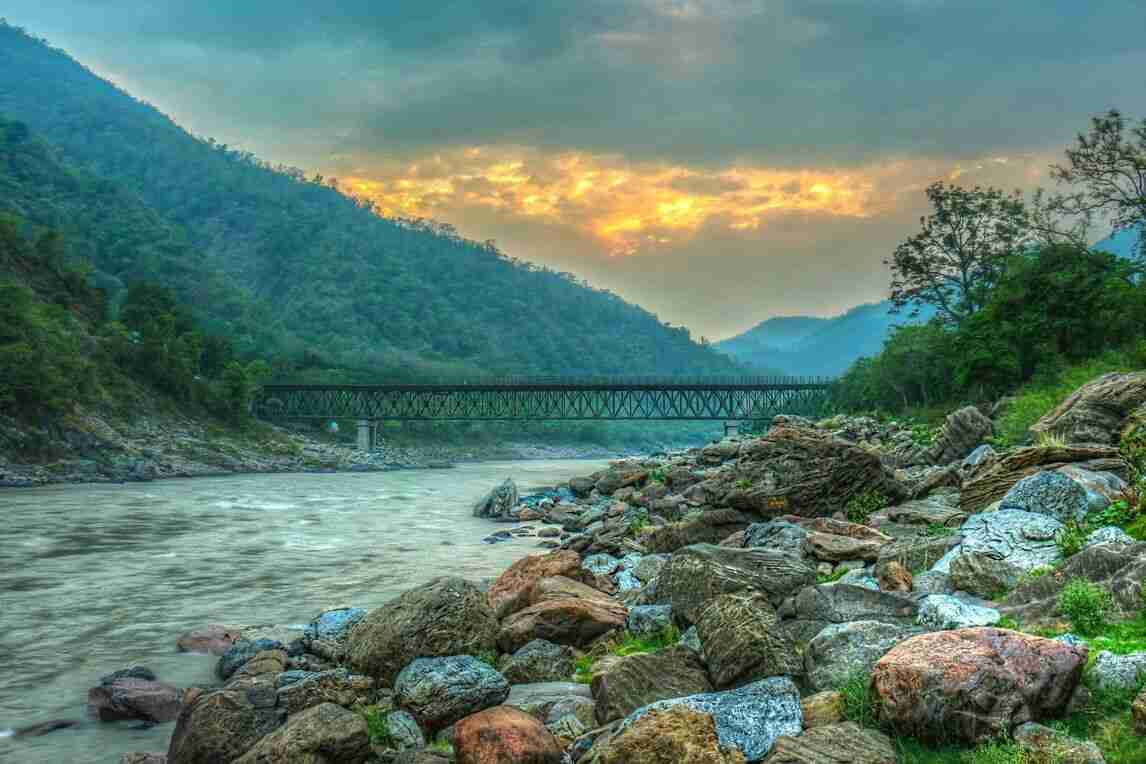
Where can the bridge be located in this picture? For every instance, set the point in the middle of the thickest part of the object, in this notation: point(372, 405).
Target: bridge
point(728, 399)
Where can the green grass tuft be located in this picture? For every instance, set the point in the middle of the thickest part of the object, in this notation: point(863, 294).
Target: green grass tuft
point(631, 644)
point(859, 700)
point(583, 669)
point(863, 505)
point(1086, 605)
point(377, 726)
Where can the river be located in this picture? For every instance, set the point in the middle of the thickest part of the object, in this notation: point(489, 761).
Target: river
point(97, 577)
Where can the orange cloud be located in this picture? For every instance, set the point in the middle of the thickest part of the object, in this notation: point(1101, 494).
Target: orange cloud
point(630, 207)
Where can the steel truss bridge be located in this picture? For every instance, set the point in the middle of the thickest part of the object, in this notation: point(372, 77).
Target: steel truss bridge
point(553, 399)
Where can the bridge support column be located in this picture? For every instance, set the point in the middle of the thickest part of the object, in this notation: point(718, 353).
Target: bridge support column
point(731, 428)
point(365, 435)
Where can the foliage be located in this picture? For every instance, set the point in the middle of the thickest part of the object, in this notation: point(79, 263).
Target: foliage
point(1007, 622)
point(835, 575)
point(639, 522)
point(861, 506)
point(657, 475)
point(1085, 604)
point(1071, 538)
point(583, 669)
point(936, 530)
point(1122, 637)
point(377, 726)
point(954, 262)
point(859, 700)
point(649, 643)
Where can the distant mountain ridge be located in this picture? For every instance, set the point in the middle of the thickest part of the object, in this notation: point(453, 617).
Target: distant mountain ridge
point(806, 345)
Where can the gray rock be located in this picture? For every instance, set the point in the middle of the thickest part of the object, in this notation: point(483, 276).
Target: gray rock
point(780, 535)
point(942, 611)
point(842, 650)
point(626, 581)
point(857, 577)
point(744, 640)
point(537, 661)
point(1048, 493)
point(333, 624)
point(440, 691)
point(649, 619)
point(937, 509)
point(976, 461)
point(405, 733)
point(498, 502)
point(1110, 534)
point(918, 553)
point(1122, 672)
point(241, 652)
point(1051, 745)
point(1101, 487)
point(650, 567)
point(601, 564)
point(842, 603)
point(691, 640)
point(539, 698)
point(1024, 540)
point(933, 582)
point(983, 575)
point(749, 718)
point(623, 684)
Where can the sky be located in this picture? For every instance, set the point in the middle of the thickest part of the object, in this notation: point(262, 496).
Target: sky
point(716, 161)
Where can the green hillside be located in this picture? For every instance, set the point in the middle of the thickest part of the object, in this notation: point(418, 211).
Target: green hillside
point(289, 268)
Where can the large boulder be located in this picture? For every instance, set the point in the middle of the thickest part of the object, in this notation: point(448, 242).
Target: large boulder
point(943, 611)
point(669, 736)
point(439, 691)
point(497, 503)
point(1118, 672)
point(991, 484)
point(937, 509)
point(843, 650)
point(705, 528)
point(846, 743)
point(743, 640)
point(510, 592)
point(222, 725)
point(748, 719)
point(322, 734)
point(446, 616)
point(1097, 411)
point(803, 471)
point(625, 684)
point(697, 574)
point(834, 547)
point(963, 431)
point(1118, 568)
point(1000, 546)
point(537, 661)
point(973, 684)
point(134, 694)
point(566, 620)
point(504, 734)
point(327, 634)
point(1049, 493)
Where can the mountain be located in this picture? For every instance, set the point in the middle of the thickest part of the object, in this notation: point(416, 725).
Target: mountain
point(804, 345)
point(290, 268)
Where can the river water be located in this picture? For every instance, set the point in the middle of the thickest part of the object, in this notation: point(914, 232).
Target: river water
point(97, 577)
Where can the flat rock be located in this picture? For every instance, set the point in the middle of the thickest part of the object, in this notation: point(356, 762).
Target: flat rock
point(124, 698)
point(565, 620)
point(822, 708)
point(213, 639)
point(940, 509)
point(842, 603)
point(538, 699)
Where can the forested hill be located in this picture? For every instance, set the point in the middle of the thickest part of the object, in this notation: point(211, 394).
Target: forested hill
point(290, 268)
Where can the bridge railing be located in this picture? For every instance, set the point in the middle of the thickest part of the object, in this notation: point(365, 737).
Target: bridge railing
point(569, 382)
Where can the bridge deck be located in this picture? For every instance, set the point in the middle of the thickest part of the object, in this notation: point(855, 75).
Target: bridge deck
point(550, 398)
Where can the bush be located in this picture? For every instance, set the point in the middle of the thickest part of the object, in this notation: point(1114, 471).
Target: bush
point(377, 726)
point(1071, 538)
point(862, 506)
point(1086, 605)
point(859, 701)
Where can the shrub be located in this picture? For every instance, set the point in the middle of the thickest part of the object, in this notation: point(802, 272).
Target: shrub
point(657, 475)
point(377, 726)
point(1086, 605)
point(861, 506)
point(583, 669)
point(1071, 538)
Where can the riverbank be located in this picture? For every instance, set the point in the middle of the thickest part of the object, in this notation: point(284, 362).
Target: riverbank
point(96, 447)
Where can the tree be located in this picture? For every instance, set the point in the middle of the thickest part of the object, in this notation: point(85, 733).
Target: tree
point(955, 260)
point(1107, 167)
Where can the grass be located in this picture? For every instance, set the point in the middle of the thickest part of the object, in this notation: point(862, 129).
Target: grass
point(1121, 638)
point(1086, 605)
point(657, 475)
point(583, 669)
point(440, 745)
point(827, 578)
point(631, 644)
point(936, 530)
point(1071, 538)
point(861, 506)
point(859, 700)
point(377, 726)
point(743, 484)
point(489, 657)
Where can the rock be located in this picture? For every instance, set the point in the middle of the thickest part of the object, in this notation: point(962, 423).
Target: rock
point(1097, 411)
point(617, 478)
point(962, 433)
point(846, 743)
point(510, 592)
point(1102, 488)
point(697, 574)
point(992, 484)
point(835, 548)
point(268, 664)
point(691, 640)
point(980, 459)
point(632, 681)
point(446, 616)
point(327, 634)
point(822, 708)
point(983, 575)
point(932, 582)
point(213, 639)
point(581, 486)
point(708, 527)
point(140, 757)
point(504, 734)
point(498, 502)
point(1119, 569)
point(942, 611)
point(565, 620)
point(939, 509)
point(242, 651)
point(1118, 672)
point(748, 719)
point(1049, 493)
point(716, 453)
point(842, 603)
point(650, 567)
point(39, 729)
point(743, 641)
point(676, 735)
point(858, 576)
point(122, 696)
point(224, 724)
point(537, 661)
point(559, 587)
point(778, 535)
point(805, 472)
point(1138, 712)
point(1001, 546)
point(843, 650)
point(893, 577)
point(600, 564)
point(917, 554)
point(337, 686)
point(1110, 534)
point(324, 733)
point(973, 684)
point(649, 619)
point(404, 731)
point(1050, 745)
point(439, 691)
point(539, 699)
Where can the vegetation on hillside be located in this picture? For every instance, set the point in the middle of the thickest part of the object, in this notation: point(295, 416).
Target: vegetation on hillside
point(288, 267)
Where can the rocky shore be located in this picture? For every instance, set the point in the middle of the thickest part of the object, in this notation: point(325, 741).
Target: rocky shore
point(823, 594)
point(92, 448)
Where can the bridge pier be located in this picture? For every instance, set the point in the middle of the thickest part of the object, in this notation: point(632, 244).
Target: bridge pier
point(732, 427)
point(365, 435)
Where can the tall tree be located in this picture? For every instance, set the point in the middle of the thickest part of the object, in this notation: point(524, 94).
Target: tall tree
point(957, 257)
